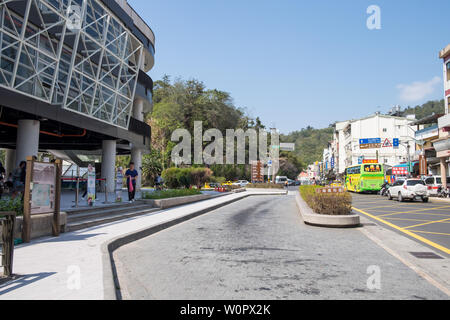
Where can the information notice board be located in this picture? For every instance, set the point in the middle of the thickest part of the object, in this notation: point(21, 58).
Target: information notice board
point(42, 188)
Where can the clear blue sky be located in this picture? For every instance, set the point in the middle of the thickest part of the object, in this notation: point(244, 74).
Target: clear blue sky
point(296, 63)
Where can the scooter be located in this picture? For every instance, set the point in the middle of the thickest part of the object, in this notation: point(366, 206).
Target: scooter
point(384, 190)
point(443, 193)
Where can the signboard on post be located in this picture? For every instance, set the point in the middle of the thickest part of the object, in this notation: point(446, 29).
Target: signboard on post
point(42, 194)
point(257, 172)
point(423, 165)
point(42, 188)
point(287, 147)
point(91, 185)
point(370, 143)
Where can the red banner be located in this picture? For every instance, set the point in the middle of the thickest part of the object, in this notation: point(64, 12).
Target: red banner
point(400, 171)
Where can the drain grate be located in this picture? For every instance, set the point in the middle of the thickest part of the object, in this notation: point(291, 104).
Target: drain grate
point(426, 255)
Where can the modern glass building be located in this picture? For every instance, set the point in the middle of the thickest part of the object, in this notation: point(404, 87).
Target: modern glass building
point(73, 80)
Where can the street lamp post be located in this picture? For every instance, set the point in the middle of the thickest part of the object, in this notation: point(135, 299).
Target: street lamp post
point(408, 148)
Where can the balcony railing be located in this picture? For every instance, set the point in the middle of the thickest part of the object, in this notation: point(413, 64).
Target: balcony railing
point(428, 133)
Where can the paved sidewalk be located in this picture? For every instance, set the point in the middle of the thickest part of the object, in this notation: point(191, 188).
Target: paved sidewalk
point(48, 267)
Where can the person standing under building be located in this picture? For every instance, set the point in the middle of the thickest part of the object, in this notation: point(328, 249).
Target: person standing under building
point(19, 175)
point(131, 176)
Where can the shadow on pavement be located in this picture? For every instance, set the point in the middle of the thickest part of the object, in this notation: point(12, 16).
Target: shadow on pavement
point(20, 281)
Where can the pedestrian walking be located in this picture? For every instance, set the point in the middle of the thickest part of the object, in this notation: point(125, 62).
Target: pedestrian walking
point(131, 174)
point(158, 182)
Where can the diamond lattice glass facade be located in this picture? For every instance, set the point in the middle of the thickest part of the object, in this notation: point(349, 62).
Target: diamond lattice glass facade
point(73, 54)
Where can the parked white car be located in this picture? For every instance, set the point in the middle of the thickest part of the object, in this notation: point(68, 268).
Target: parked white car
point(409, 189)
point(241, 183)
point(433, 183)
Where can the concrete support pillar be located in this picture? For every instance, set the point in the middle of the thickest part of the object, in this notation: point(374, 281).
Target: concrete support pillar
point(136, 154)
point(27, 140)
point(10, 161)
point(109, 165)
point(138, 109)
point(444, 172)
point(136, 157)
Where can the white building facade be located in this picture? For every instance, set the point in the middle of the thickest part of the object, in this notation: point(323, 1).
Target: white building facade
point(379, 137)
point(442, 145)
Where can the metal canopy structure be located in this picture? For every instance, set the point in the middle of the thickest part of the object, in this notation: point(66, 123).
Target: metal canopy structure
point(73, 54)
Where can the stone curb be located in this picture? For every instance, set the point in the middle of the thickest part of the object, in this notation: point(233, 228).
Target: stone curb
point(439, 200)
point(327, 221)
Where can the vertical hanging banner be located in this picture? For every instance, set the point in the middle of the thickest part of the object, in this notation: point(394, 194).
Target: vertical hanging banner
point(91, 185)
point(119, 184)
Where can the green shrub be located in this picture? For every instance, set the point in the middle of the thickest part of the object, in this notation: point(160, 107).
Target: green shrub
point(175, 178)
point(327, 203)
point(265, 186)
point(170, 178)
point(12, 205)
point(166, 194)
point(199, 176)
point(184, 178)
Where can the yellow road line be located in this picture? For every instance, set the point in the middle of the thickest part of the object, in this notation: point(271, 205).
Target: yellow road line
point(416, 211)
point(390, 206)
point(405, 219)
point(438, 233)
point(427, 223)
point(409, 233)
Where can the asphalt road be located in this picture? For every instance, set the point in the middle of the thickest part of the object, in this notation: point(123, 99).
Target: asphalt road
point(428, 223)
point(259, 248)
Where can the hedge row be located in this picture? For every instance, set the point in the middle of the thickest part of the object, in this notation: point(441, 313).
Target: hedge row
point(166, 194)
point(327, 203)
point(176, 178)
point(12, 205)
point(265, 186)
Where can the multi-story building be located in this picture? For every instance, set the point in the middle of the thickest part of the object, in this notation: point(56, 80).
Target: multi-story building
point(442, 144)
point(379, 137)
point(73, 81)
point(427, 132)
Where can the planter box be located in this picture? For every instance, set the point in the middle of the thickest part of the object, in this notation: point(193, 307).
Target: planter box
point(322, 220)
point(41, 225)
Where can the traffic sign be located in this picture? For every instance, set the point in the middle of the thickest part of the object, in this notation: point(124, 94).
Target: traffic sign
point(370, 141)
point(387, 144)
point(396, 142)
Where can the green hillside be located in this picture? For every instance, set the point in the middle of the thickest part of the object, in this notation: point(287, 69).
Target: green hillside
point(309, 143)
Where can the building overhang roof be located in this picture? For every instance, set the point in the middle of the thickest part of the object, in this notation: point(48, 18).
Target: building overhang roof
point(445, 52)
point(427, 120)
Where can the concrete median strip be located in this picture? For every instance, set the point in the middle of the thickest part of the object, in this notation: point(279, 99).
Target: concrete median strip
point(329, 221)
